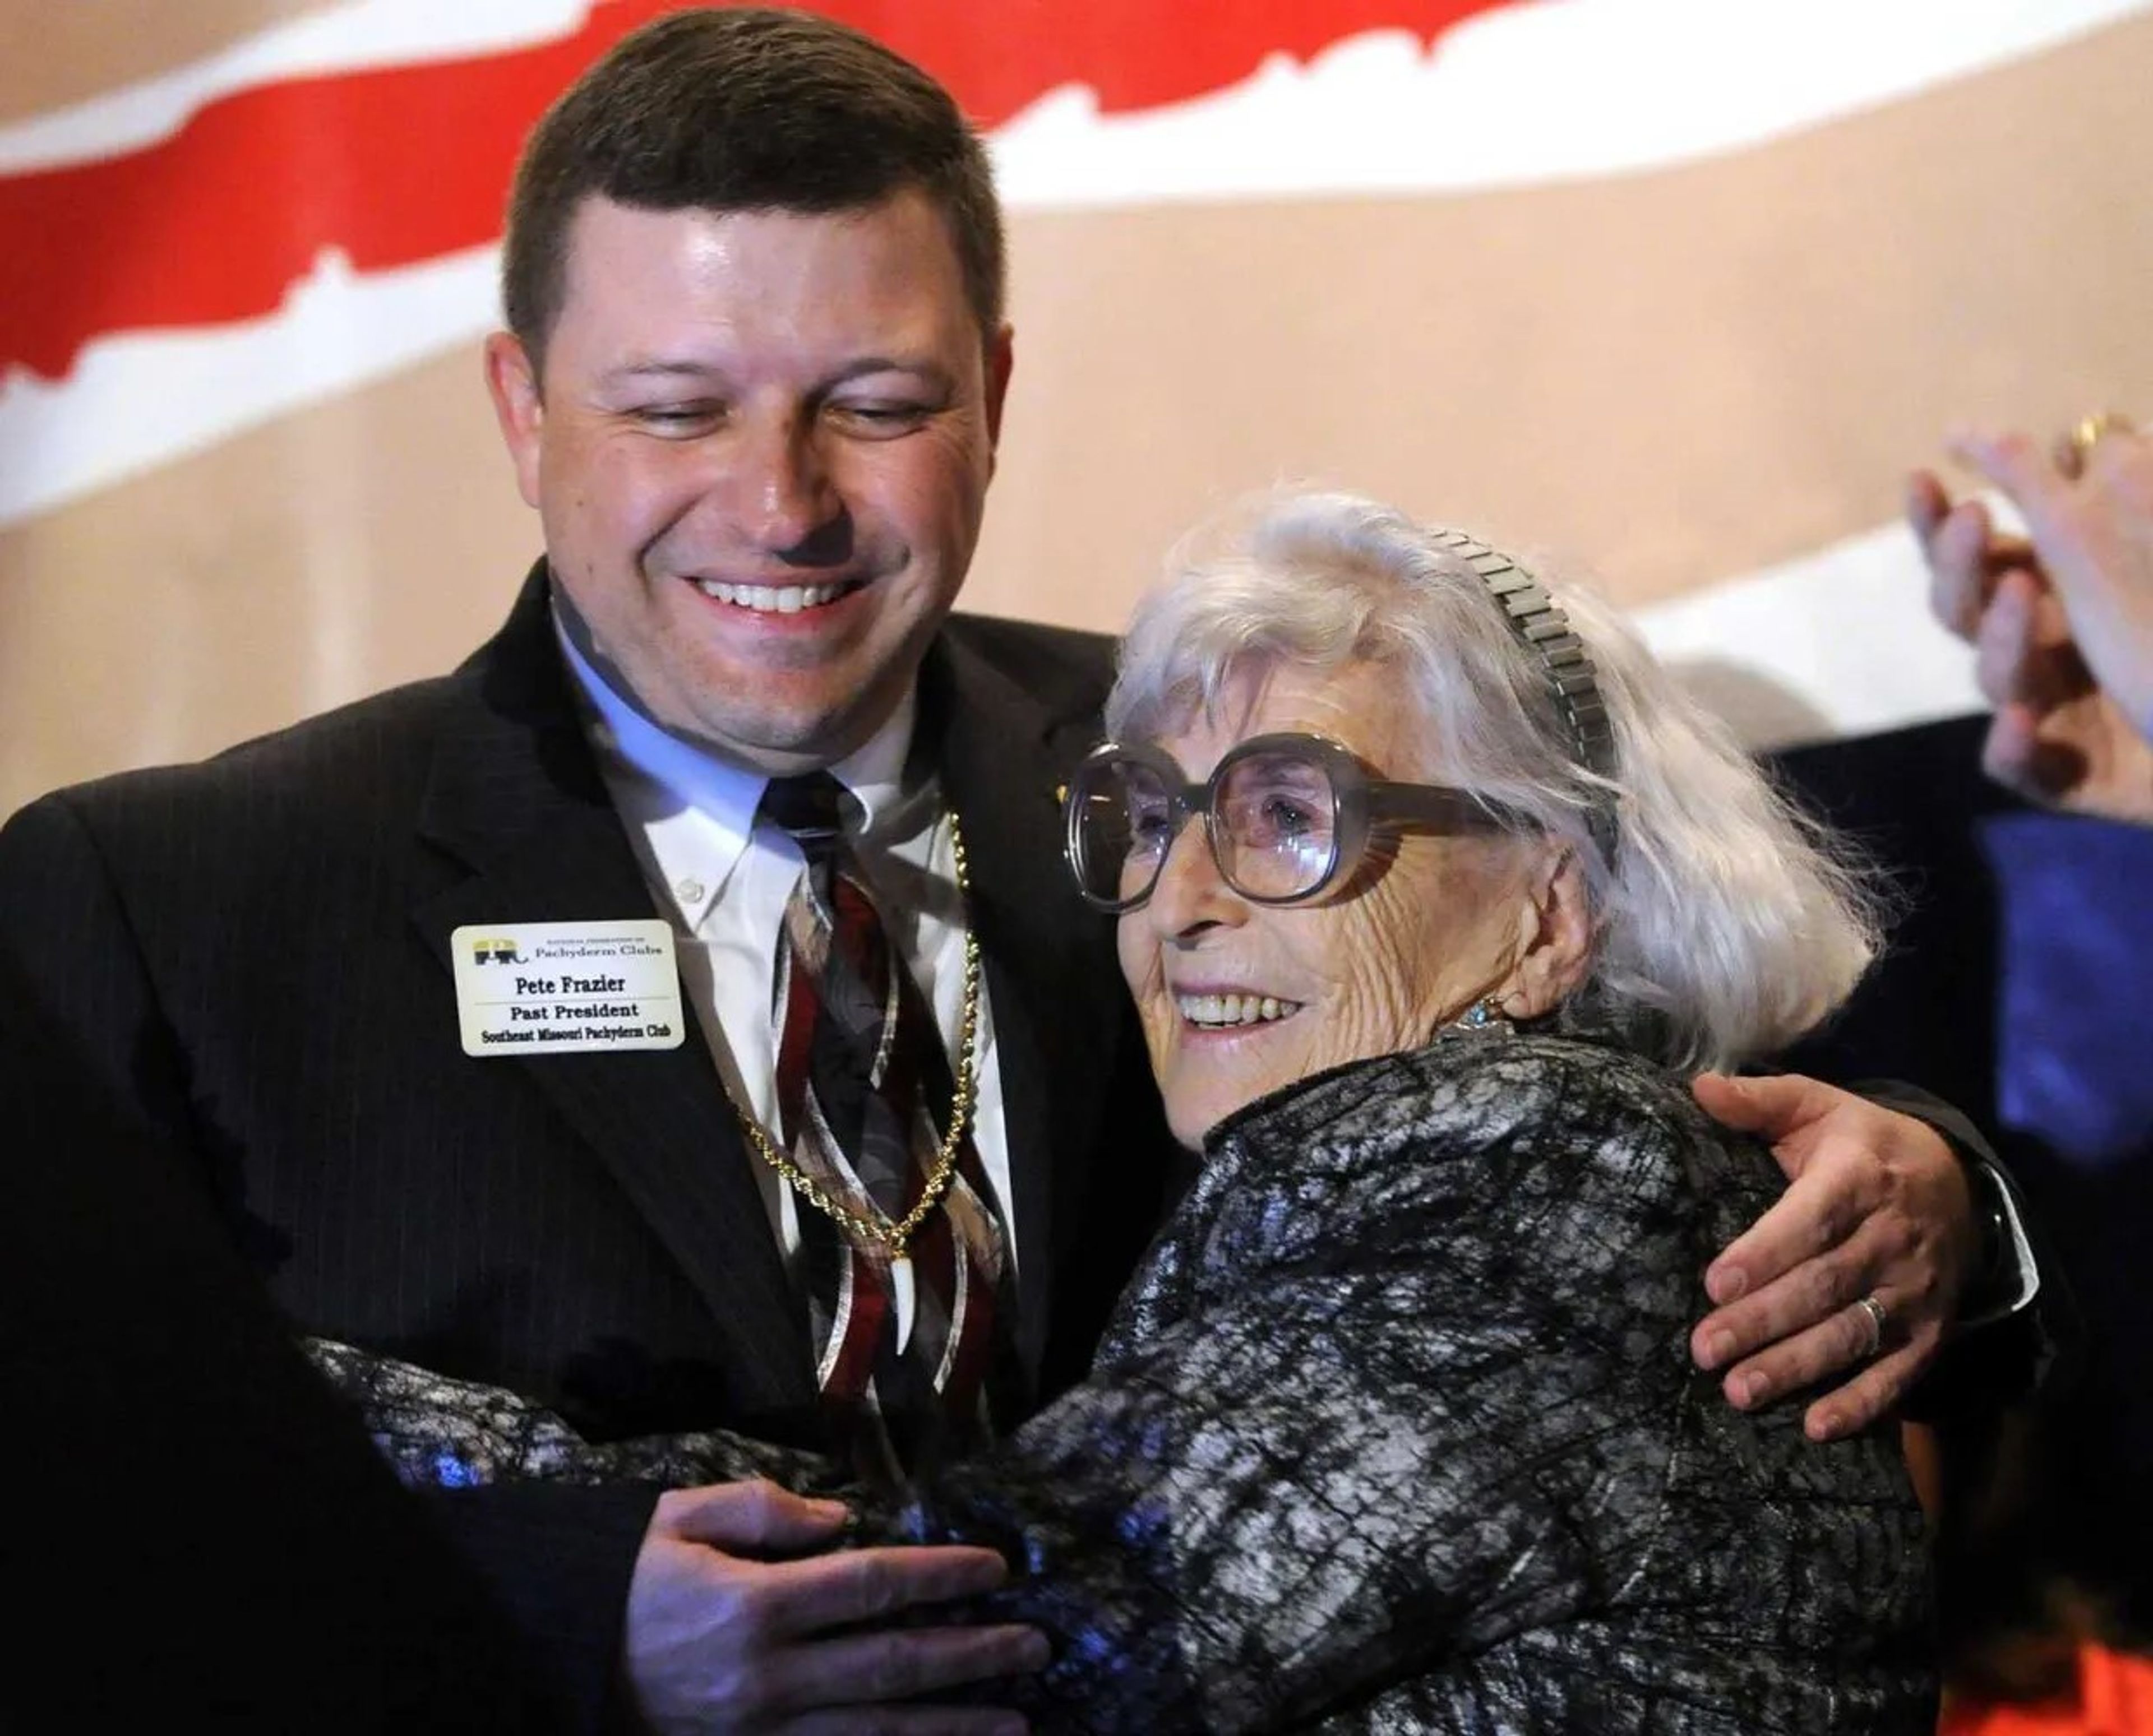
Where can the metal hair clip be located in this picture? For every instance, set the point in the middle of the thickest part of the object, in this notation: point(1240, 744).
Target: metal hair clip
point(1543, 628)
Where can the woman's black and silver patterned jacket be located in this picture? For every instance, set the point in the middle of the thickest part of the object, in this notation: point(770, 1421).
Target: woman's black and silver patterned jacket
point(1396, 1429)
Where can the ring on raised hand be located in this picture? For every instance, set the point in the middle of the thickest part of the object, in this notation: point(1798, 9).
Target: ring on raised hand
point(2075, 445)
point(1875, 1319)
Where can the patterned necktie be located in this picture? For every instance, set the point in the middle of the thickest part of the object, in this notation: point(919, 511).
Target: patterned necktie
point(903, 1340)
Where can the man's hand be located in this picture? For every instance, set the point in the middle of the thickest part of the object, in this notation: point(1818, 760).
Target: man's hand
point(2063, 623)
point(1877, 1205)
point(722, 1637)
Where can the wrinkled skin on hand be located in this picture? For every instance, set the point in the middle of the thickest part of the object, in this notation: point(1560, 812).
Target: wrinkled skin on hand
point(1877, 1205)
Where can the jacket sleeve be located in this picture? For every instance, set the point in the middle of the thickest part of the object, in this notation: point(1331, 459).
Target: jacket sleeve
point(172, 1463)
point(2011, 1345)
point(558, 1559)
point(67, 946)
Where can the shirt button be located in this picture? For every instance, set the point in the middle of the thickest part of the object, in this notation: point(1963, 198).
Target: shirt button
point(689, 891)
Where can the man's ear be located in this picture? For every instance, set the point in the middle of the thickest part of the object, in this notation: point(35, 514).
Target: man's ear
point(518, 406)
point(1554, 937)
point(1001, 358)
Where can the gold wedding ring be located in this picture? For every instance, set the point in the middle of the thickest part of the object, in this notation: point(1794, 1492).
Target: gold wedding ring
point(2075, 445)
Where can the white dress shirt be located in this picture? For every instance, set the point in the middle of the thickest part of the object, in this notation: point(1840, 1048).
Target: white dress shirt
point(724, 881)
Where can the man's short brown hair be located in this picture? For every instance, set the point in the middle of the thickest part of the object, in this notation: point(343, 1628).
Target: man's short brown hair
point(745, 108)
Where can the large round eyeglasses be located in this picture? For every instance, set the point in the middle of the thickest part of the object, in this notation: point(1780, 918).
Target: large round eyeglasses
point(1284, 815)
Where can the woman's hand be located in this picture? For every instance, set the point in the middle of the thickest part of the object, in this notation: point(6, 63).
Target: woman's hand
point(1877, 1206)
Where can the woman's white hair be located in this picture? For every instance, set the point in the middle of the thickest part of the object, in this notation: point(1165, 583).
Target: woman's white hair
point(1726, 922)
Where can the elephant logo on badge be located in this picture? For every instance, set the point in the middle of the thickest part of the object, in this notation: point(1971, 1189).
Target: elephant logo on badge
point(497, 949)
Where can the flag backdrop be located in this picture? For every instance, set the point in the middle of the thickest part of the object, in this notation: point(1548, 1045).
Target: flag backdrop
point(1674, 289)
point(1670, 290)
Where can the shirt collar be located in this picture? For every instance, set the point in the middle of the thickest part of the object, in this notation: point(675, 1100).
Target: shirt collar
point(685, 776)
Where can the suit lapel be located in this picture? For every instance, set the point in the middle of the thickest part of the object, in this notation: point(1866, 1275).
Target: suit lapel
point(1054, 991)
point(516, 797)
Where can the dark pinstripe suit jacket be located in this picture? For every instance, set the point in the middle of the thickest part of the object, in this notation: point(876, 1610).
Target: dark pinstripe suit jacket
point(253, 952)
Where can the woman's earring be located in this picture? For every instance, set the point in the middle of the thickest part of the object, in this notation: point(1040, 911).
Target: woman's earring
point(1484, 1015)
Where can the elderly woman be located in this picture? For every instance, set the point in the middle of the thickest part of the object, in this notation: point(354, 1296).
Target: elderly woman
point(1428, 897)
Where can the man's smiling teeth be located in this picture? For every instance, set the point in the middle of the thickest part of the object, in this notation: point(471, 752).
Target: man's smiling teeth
point(1234, 1009)
point(770, 599)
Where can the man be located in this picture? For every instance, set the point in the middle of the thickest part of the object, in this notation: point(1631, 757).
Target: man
point(753, 383)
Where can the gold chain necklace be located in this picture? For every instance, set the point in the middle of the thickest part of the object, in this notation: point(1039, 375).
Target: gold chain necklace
point(963, 1097)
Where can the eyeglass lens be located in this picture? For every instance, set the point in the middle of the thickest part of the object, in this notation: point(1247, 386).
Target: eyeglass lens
point(1273, 833)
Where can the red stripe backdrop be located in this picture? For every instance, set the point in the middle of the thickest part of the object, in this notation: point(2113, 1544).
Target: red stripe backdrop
point(405, 164)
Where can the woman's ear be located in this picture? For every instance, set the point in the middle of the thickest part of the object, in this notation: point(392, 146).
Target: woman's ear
point(1554, 938)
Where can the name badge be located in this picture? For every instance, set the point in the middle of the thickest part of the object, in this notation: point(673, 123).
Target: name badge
point(535, 988)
